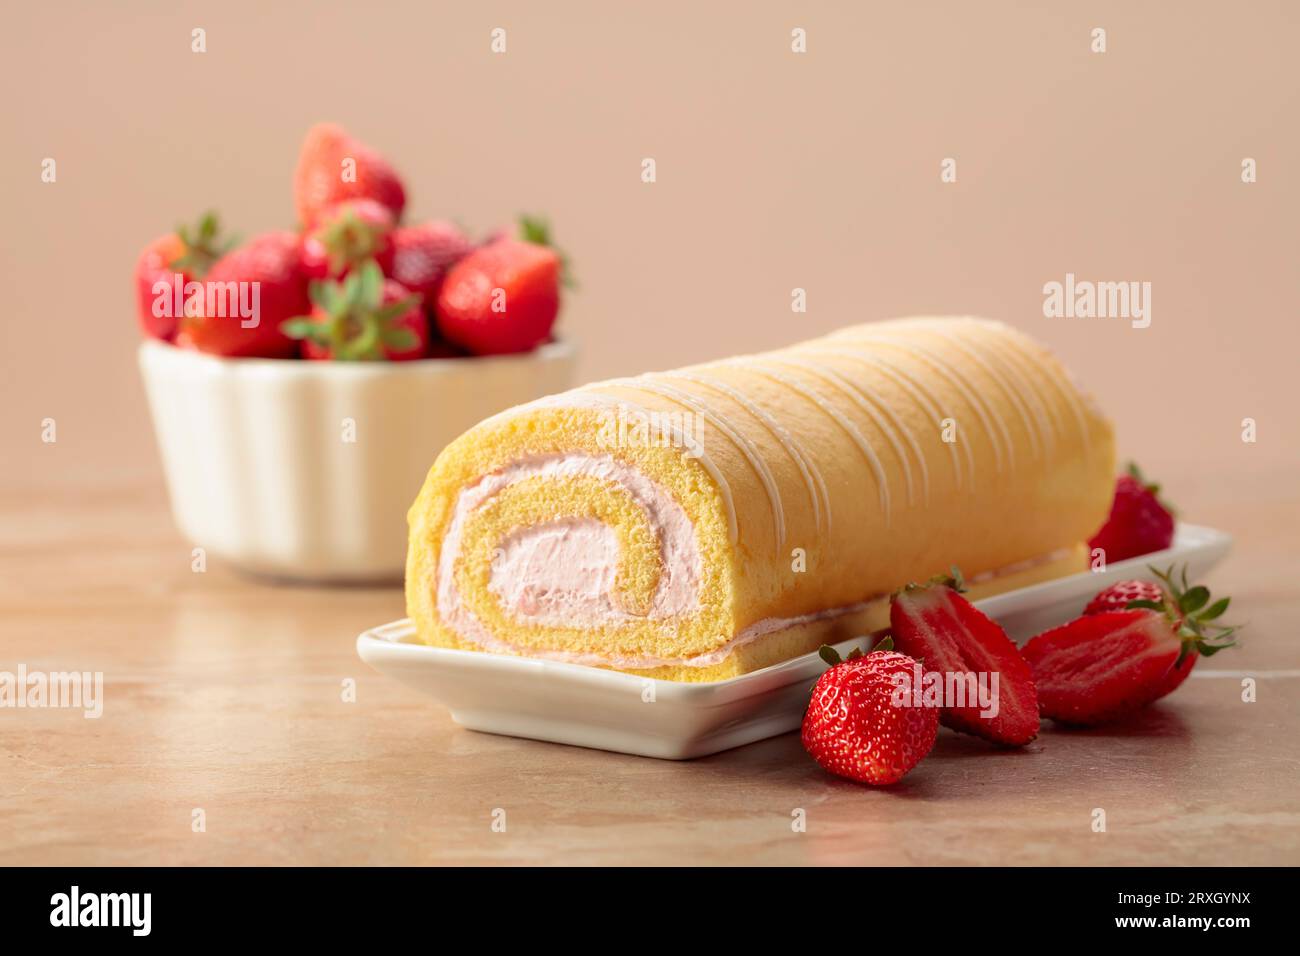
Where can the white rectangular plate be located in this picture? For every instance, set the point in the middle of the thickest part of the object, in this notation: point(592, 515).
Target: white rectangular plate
point(608, 710)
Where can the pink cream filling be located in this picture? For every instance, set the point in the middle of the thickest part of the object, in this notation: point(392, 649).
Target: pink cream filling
point(561, 573)
point(558, 572)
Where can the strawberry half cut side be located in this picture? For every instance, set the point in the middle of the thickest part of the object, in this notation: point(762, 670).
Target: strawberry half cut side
point(935, 624)
point(1103, 667)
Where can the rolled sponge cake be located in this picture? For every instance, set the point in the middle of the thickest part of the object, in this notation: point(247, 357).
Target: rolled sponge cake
point(702, 523)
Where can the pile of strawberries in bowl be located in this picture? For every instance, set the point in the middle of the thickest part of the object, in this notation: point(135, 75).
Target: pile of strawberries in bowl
point(301, 383)
point(354, 282)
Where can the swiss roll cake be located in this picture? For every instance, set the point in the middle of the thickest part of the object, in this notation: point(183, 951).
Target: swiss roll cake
point(705, 522)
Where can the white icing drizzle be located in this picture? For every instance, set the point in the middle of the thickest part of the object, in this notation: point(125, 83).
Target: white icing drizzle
point(753, 364)
point(963, 385)
point(1066, 391)
point(812, 477)
point(585, 397)
point(1048, 416)
point(747, 448)
point(923, 397)
point(859, 395)
point(1034, 430)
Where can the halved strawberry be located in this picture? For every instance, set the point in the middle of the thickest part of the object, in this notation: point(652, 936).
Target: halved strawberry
point(1103, 667)
point(935, 624)
point(363, 318)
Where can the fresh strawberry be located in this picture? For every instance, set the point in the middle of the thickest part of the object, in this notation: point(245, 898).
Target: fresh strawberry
point(1139, 521)
point(363, 318)
point(935, 624)
point(261, 284)
point(1118, 595)
point(537, 230)
point(1103, 667)
point(346, 235)
point(333, 166)
point(501, 298)
point(186, 252)
point(853, 726)
point(423, 254)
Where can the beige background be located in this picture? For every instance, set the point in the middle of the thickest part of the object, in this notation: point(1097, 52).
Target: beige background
point(775, 171)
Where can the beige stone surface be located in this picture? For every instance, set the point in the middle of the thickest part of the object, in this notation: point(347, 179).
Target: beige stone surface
point(225, 694)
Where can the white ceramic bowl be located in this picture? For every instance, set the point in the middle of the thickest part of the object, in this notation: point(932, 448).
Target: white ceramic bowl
point(304, 469)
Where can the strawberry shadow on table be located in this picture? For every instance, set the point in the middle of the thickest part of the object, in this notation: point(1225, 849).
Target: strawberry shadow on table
point(960, 762)
point(1156, 720)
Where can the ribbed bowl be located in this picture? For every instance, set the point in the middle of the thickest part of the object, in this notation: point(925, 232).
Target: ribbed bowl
point(305, 470)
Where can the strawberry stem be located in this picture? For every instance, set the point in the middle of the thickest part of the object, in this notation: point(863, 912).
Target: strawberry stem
point(357, 326)
point(1190, 611)
point(203, 246)
point(829, 654)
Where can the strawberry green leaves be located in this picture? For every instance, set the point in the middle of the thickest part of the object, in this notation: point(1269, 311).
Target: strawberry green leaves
point(832, 657)
point(203, 246)
point(953, 579)
point(1189, 608)
point(352, 320)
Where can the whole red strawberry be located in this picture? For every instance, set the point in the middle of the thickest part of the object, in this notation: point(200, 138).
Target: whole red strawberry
point(423, 254)
point(855, 728)
point(187, 253)
point(935, 624)
point(363, 318)
point(346, 235)
point(1103, 667)
point(1139, 521)
point(1118, 595)
point(333, 166)
point(501, 298)
point(249, 292)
